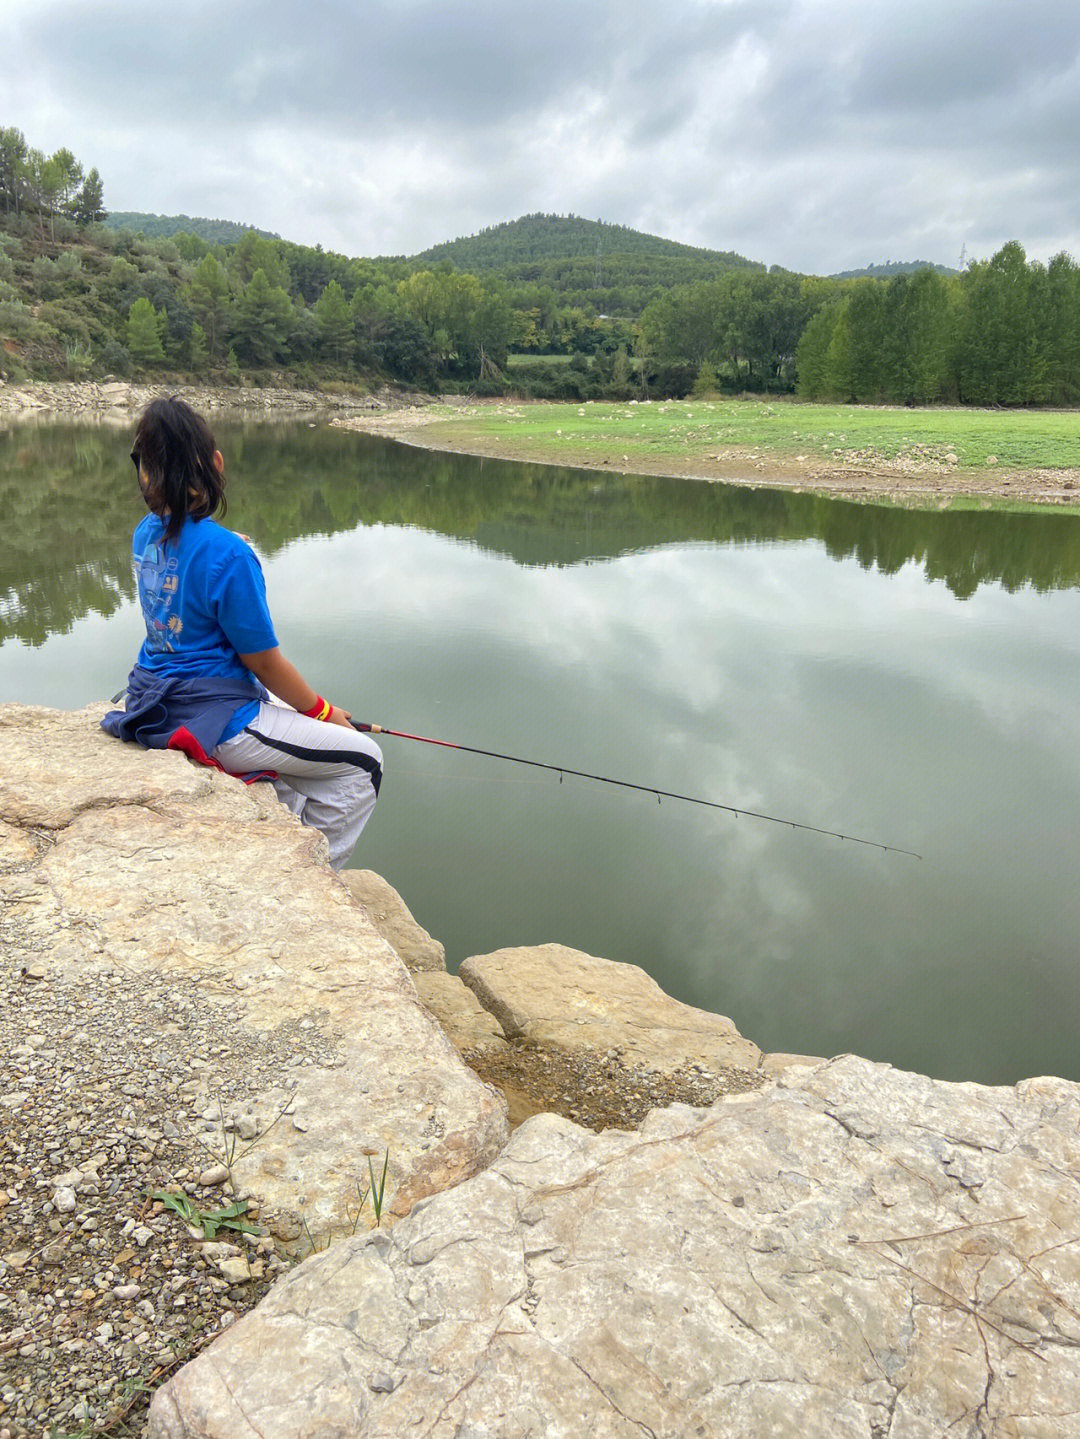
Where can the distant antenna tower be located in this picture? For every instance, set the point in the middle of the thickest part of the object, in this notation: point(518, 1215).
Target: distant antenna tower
point(963, 254)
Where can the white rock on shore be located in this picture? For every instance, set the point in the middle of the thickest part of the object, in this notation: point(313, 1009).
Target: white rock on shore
point(152, 865)
point(192, 999)
point(393, 919)
point(118, 401)
point(850, 1251)
point(569, 1000)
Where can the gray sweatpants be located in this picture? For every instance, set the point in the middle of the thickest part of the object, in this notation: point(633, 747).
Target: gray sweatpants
point(327, 775)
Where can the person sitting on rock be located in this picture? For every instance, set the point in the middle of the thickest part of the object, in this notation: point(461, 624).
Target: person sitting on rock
point(204, 676)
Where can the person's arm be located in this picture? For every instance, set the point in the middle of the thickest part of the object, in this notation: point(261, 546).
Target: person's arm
point(283, 679)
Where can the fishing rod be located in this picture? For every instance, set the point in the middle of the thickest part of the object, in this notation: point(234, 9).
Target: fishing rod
point(561, 769)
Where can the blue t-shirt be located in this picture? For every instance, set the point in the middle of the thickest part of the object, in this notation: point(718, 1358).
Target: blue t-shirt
point(203, 599)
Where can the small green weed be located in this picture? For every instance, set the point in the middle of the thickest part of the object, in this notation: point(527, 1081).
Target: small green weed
point(231, 1217)
point(375, 1191)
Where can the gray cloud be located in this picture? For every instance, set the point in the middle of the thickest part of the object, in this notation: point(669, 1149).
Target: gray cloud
point(814, 135)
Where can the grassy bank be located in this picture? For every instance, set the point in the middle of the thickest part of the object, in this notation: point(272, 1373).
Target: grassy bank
point(910, 456)
point(787, 431)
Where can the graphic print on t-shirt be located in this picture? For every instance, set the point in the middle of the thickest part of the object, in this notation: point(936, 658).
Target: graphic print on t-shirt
point(159, 593)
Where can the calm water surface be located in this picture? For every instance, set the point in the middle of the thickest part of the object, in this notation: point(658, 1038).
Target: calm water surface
point(908, 677)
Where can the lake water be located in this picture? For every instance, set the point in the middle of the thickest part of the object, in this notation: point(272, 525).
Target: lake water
point(911, 678)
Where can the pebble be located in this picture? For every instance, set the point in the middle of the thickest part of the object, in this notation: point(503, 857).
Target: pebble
point(236, 1271)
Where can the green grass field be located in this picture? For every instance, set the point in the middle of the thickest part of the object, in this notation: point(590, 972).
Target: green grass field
point(780, 430)
point(530, 362)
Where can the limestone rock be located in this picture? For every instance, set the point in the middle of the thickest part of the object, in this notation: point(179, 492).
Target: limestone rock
point(157, 867)
point(849, 1251)
point(570, 1000)
point(58, 763)
point(774, 1064)
point(391, 917)
point(466, 1023)
point(16, 848)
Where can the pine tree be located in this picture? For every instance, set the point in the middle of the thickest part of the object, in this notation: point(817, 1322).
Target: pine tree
point(263, 319)
point(144, 341)
point(705, 383)
point(197, 352)
point(208, 295)
point(86, 207)
point(335, 322)
point(811, 357)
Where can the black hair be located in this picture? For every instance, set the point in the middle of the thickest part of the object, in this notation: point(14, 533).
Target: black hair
point(174, 447)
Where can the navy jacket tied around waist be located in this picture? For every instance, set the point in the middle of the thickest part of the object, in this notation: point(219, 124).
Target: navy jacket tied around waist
point(159, 705)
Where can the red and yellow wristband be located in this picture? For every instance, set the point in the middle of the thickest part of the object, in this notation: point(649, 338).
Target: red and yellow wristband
point(320, 710)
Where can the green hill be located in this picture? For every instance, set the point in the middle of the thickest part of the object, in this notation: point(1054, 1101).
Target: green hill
point(891, 268)
point(586, 263)
point(535, 238)
point(163, 227)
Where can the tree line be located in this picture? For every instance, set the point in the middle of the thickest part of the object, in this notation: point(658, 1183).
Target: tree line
point(47, 186)
point(504, 311)
point(1005, 331)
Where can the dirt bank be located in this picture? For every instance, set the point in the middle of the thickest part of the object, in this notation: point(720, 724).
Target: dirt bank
point(117, 401)
point(924, 480)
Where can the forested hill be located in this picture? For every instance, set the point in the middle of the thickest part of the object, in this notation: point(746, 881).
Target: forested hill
point(214, 232)
point(588, 264)
point(536, 238)
point(545, 306)
point(892, 268)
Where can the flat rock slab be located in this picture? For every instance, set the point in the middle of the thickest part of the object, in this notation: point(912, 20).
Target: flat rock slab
point(145, 864)
point(850, 1251)
point(570, 1000)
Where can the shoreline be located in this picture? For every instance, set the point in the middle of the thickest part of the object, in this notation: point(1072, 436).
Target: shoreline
point(119, 401)
point(926, 484)
point(444, 424)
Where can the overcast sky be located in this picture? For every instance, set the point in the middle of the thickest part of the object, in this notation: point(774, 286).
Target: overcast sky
point(815, 134)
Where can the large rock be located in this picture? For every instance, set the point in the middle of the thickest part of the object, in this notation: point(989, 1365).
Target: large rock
point(463, 1019)
point(393, 919)
point(850, 1251)
point(563, 998)
point(323, 1055)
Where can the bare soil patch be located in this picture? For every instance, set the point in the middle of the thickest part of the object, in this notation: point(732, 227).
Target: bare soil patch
point(598, 1091)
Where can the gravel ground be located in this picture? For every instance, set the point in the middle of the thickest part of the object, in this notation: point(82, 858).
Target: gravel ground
point(115, 1088)
point(118, 1089)
point(597, 1092)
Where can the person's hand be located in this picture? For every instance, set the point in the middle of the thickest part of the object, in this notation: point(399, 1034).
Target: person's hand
point(339, 716)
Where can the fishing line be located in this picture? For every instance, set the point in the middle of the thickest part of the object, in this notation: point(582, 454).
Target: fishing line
point(660, 794)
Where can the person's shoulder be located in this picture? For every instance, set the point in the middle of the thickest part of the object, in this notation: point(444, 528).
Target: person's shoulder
point(217, 538)
point(224, 550)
